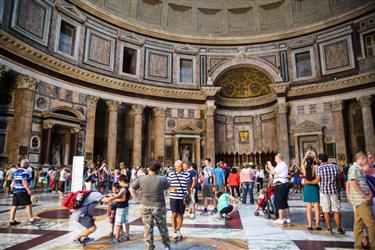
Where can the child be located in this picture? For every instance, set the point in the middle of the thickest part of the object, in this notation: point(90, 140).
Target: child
point(111, 208)
point(226, 204)
point(122, 210)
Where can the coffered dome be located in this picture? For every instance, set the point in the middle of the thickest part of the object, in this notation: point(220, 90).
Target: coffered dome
point(223, 21)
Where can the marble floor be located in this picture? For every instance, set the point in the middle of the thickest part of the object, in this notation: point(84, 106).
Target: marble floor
point(243, 231)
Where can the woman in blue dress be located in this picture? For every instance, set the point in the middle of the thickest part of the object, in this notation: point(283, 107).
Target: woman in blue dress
point(311, 192)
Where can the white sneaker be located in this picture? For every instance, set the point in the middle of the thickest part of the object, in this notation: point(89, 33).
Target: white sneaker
point(279, 222)
point(175, 236)
point(179, 235)
point(192, 216)
point(288, 221)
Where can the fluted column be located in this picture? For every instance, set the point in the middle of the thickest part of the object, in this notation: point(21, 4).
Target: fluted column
point(137, 138)
point(230, 135)
point(198, 152)
point(112, 133)
point(258, 134)
point(176, 153)
point(338, 124)
point(159, 131)
point(47, 142)
point(210, 133)
point(90, 126)
point(283, 146)
point(22, 121)
point(368, 123)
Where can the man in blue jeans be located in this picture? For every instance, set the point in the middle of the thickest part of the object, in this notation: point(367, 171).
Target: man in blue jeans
point(247, 178)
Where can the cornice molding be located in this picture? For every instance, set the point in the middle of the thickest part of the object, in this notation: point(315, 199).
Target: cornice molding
point(332, 85)
point(246, 102)
point(26, 51)
point(219, 40)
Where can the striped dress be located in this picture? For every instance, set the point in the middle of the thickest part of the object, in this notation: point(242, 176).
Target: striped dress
point(181, 182)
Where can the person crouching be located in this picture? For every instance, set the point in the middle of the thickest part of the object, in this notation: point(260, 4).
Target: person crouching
point(226, 205)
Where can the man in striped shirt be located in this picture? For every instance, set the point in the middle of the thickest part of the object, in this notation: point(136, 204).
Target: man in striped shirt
point(21, 193)
point(179, 182)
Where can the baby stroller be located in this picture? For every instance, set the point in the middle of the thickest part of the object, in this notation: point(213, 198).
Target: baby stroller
point(265, 202)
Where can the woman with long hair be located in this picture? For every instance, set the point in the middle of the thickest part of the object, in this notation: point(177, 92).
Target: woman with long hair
point(311, 191)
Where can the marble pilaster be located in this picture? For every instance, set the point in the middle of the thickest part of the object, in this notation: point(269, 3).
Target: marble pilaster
point(210, 133)
point(47, 142)
point(22, 122)
point(368, 122)
point(283, 146)
point(90, 126)
point(159, 130)
point(258, 134)
point(338, 124)
point(112, 132)
point(137, 139)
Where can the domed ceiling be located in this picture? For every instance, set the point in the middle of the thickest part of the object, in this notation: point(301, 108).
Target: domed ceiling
point(243, 82)
point(201, 20)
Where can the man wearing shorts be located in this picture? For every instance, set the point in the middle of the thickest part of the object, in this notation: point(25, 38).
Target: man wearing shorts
point(327, 175)
point(85, 216)
point(21, 193)
point(179, 182)
point(209, 186)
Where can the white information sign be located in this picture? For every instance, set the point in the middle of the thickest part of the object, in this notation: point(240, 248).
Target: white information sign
point(77, 173)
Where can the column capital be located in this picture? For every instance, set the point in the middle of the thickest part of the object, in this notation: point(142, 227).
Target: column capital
point(3, 70)
point(112, 105)
point(47, 125)
point(282, 108)
point(365, 101)
point(26, 82)
point(337, 105)
point(210, 110)
point(92, 100)
point(137, 109)
point(74, 130)
point(159, 111)
point(230, 119)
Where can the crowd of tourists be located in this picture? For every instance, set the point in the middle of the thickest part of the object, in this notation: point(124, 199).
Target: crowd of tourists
point(221, 186)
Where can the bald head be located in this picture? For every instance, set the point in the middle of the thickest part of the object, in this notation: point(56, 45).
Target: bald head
point(279, 158)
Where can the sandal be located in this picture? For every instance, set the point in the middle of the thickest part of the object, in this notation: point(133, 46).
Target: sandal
point(310, 228)
point(329, 229)
point(318, 228)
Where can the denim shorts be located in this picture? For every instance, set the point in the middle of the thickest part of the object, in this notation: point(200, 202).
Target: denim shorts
point(122, 216)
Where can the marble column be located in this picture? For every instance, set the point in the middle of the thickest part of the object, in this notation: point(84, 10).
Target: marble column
point(368, 123)
point(90, 126)
point(258, 134)
point(230, 133)
point(137, 138)
point(210, 133)
point(296, 148)
point(159, 130)
point(338, 124)
point(23, 118)
point(283, 146)
point(176, 153)
point(198, 152)
point(47, 142)
point(112, 133)
point(74, 140)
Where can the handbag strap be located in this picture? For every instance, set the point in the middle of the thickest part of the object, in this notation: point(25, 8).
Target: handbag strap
point(178, 180)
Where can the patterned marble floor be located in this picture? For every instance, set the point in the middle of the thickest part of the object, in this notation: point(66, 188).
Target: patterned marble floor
point(243, 231)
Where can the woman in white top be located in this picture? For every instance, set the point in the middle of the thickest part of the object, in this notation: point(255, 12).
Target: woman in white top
point(281, 182)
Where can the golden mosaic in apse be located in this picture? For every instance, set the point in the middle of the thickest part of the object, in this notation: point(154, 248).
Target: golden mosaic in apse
point(243, 82)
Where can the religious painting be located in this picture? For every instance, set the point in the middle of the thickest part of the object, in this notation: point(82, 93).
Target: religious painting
point(244, 137)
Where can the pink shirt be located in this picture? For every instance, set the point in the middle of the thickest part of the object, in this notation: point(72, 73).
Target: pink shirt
point(246, 175)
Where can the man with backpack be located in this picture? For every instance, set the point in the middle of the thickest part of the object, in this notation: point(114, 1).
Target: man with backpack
point(84, 203)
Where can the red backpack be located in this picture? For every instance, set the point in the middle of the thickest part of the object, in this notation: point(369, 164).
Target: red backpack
point(74, 200)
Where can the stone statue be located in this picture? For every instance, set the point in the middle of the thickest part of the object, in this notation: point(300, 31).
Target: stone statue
point(56, 153)
point(185, 154)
